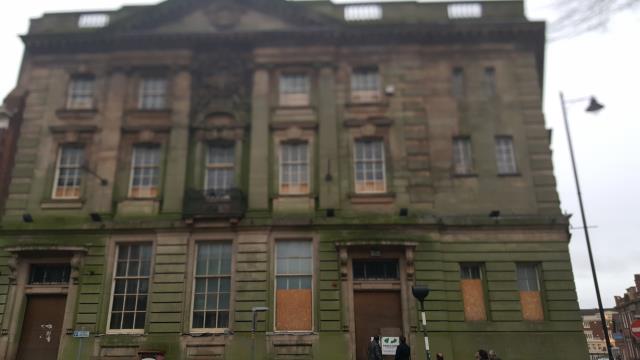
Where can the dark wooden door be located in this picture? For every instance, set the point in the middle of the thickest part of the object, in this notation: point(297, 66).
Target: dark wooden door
point(374, 310)
point(42, 327)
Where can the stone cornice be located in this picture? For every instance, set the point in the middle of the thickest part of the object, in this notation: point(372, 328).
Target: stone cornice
point(362, 34)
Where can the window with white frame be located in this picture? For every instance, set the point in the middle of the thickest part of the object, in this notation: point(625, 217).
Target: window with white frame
point(130, 288)
point(294, 268)
point(365, 83)
point(145, 171)
point(294, 89)
point(462, 161)
point(212, 286)
point(294, 168)
point(68, 177)
point(80, 93)
point(369, 165)
point(152, 93)
point(220, 174)
point(505, 157)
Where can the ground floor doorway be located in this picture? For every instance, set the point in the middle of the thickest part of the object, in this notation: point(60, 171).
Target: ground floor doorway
point(42, 327)
point(376, 313)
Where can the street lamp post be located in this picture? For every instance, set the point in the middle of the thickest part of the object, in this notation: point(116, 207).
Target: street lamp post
point(594, 106)
point(420, 293)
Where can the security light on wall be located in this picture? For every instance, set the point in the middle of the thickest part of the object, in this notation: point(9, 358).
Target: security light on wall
point(95, 217)
point(494, 214)
point(26, 217)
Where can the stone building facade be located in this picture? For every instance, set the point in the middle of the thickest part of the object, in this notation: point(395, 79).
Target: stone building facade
point(10, 121)
point(188, 167)
point(628, 308)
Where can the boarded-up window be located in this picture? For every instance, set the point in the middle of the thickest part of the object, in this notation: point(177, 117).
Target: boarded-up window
point(530, 296)
point(472, 292)
point(293, 285)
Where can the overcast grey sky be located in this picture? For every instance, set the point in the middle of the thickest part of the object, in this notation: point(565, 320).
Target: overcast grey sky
point(602, 63)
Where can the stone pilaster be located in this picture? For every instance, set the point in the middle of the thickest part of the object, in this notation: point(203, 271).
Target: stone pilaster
point(178, 149)
point(328, 176)
point(259, 154)
point(106, 159)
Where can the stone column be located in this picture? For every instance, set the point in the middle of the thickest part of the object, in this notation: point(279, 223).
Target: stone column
point(259, 153)
point(106, 158)
point(178, 147)
point(328, 177)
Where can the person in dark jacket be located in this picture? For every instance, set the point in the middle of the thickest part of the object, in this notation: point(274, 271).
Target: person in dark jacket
point(375, 351)
point(439, 356)
point(482, 355)
point(403, 351)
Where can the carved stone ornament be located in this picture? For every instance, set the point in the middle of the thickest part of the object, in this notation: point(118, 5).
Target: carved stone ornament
point(220, 85)
point(224, 17)
point(12, 264)
point(344, 263)
point(76, 264)
point(409, 255)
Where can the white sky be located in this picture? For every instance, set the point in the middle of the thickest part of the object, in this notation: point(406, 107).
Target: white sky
point(602, 63)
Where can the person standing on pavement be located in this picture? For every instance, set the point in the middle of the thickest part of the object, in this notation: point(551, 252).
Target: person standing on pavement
point(403, 351)
point(493, 355)
point(374, 352)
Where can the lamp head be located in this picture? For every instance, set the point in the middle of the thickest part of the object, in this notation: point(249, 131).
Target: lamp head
point(594, 105)
point(420, 292)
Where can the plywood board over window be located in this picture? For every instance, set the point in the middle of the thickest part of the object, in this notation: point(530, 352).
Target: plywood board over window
point(530, 295)
point(471, 285)
point(293, 285)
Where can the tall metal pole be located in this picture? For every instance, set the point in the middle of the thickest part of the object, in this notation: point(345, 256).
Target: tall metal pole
point(586, 229)
point(423, 315)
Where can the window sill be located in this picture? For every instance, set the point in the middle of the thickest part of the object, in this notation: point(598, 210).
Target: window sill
point(76, 114)
point(126, 332)
point(148, 112)
point(463, 176)
point(516, 174)
point(140, 207)
point(367, 102)
point(210, 332)
point(53, 204)
point(372, 198)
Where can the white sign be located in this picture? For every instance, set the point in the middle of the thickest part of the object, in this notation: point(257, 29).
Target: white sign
point(389, 344)
point(81, 334)
point(426, 343)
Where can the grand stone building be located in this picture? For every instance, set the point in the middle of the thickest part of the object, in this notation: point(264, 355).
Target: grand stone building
point(183, 164)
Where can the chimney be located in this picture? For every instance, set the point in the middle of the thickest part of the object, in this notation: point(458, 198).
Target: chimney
point(637, 279)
